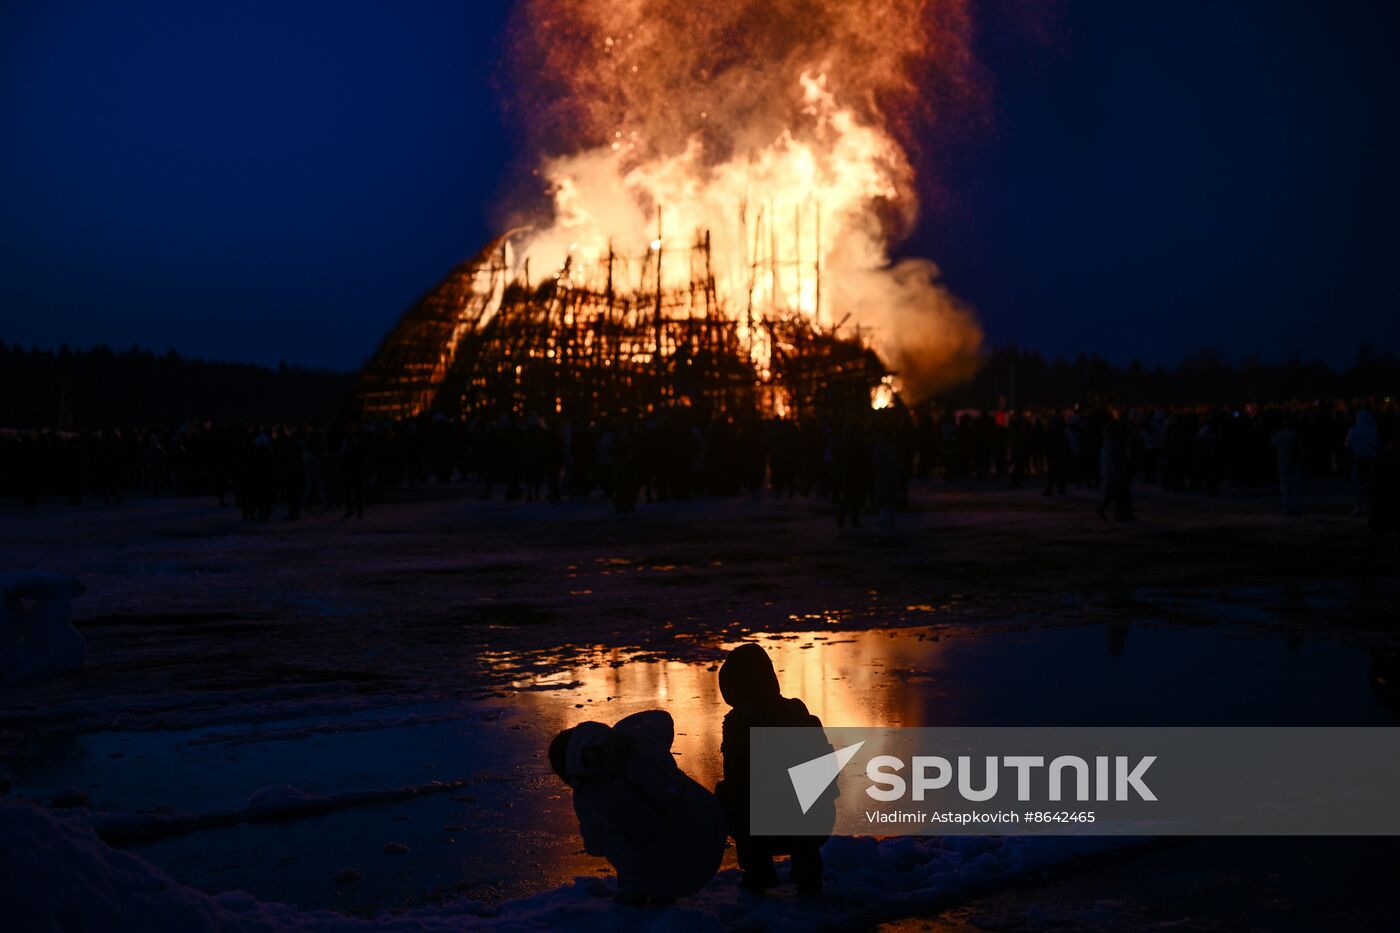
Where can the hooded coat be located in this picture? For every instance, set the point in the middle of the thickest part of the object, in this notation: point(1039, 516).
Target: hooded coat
point(749, 684)
point(663, 832)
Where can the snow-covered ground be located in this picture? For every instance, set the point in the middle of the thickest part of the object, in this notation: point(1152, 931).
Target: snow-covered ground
point(55, 867)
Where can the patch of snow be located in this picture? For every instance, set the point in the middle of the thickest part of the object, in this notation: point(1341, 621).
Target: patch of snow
point(56, 873)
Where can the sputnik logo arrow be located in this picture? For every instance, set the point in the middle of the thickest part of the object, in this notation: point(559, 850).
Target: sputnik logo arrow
point(811, 778)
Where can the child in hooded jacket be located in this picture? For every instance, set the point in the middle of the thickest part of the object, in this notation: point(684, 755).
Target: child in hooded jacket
point(662, 832)
point(750, 686)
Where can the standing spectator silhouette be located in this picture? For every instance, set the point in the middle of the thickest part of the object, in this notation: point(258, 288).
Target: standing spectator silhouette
point(264, 478)
point(1057, 456)
point(293, 474)
point(352, 474)
point(852, 474)
point(626, 475)
point(1115, 459)
point(1288, 454)
point(1363, 444)
point(1384, 517)
point(884, 462)
point(1208, 456)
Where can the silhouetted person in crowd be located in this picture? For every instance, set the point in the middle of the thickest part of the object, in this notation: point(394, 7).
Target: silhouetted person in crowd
point(30, 470)
point(1018, 444)
point(1152, 433)
point(1288, 454)
point(552, 454)
point(509, 444)
point(153, 466)
point(662, 832)
point(293, 472)
point(352, 474)
point(750, 686)
point(243, 480)
point(679, 452)
point(626, 472)
point(1363, 444)
point(1208, 457)
point(1057, 456)
point(1116, 472)
point(948, 444)
point(109, 472)
point(1384, 497)
point(1091, 448)
point(264, 478)
point(313, 483)
point(1177, 446)
point(851, 474)
point(884, 464)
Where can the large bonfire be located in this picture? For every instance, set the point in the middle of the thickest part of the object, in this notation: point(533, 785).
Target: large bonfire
point(725, 182)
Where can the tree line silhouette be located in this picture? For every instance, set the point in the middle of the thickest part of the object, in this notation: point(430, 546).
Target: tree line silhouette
point(1012, 377)
point(102, 388)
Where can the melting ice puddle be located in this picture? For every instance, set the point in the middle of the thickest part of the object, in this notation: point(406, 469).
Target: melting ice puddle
point(1119, 675)
point(512, 832)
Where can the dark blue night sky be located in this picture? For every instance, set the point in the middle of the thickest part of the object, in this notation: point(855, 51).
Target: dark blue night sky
point(264, 181)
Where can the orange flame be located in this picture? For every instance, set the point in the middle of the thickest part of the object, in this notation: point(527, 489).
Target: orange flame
point(771, 125)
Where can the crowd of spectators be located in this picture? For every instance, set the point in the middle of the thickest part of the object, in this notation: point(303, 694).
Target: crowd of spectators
point(862, 463)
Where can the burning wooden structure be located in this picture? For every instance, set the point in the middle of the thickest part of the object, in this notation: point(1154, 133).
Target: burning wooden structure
point(488, 338)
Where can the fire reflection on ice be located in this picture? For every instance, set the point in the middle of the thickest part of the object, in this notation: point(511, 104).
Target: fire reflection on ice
point(846, 679)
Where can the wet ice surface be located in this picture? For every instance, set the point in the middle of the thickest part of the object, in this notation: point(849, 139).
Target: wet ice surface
point(511, 831)
point(424, 643)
